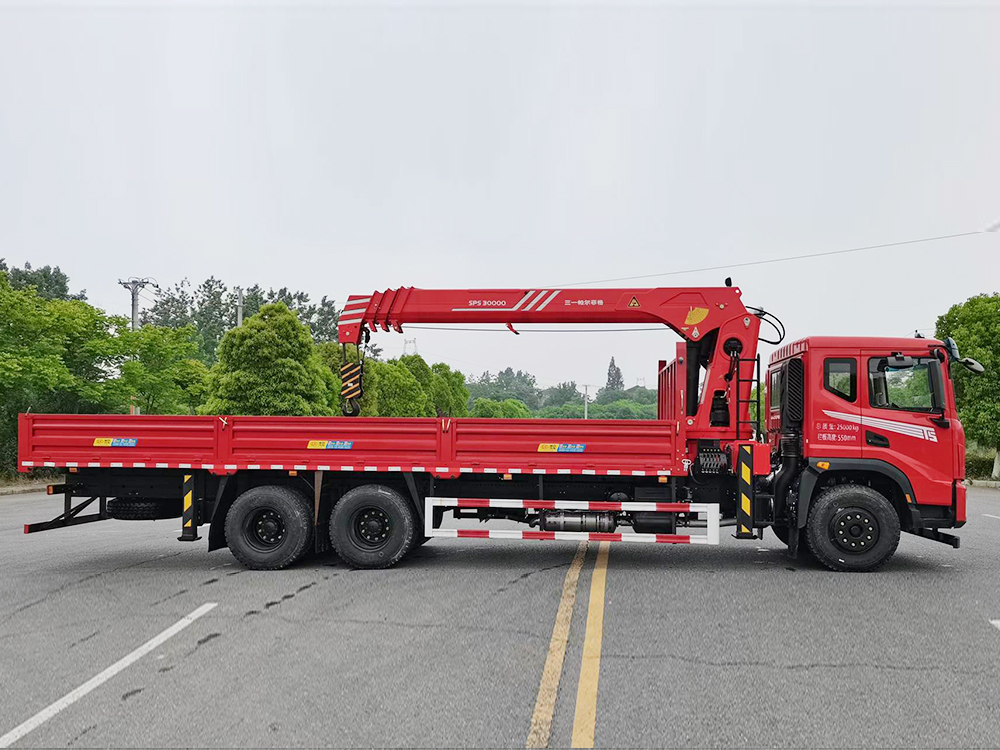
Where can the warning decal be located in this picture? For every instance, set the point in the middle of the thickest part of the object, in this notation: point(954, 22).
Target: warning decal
point(634, 302)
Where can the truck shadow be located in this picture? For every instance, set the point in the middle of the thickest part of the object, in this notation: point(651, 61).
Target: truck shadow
point(441, 555)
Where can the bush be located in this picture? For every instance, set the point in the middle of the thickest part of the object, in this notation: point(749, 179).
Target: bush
point(978, 465)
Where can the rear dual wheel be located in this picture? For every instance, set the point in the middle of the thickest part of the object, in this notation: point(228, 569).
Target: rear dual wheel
point(270, 527)
point(373, 527)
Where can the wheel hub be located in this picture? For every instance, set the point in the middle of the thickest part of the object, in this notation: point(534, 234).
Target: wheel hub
point(854, 530)
point(372, 527)
point(266, 528)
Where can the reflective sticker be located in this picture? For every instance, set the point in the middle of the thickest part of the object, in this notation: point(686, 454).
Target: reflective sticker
point(116, 442)
point(695, 315)
point(330, 445)
point(562, 447)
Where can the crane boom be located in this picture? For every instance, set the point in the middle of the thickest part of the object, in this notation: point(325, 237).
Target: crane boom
point(717, 360)
point(690, 311)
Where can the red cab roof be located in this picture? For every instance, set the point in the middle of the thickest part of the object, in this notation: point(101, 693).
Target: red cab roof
point(888, 343)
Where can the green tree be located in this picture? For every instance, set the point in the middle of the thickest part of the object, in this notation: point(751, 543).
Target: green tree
point(615, 380)
point(486, 408)
point(509, 408)
point(420, 369)
point(212, 308)
point(641, 395)
point(56, 355)
point(173, 307)
point(763, 406)
point(270, 366)
point(159, 372)
point(457, 392)
point(975, 326)
point(191, 376)
point(506, 384)
point(49, 281)
point(560, 394)
point(209, 316)
point(399, 392)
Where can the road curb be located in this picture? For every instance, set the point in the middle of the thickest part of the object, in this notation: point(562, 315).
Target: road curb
point(22, 490)
point(983, 483)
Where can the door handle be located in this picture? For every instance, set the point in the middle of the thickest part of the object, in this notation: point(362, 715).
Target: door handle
point(876, 440)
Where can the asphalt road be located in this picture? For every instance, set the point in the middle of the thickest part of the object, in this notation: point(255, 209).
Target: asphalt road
point(733, 646)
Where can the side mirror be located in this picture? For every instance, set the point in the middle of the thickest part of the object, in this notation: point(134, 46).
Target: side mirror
point(972, 365)
point(952, 348)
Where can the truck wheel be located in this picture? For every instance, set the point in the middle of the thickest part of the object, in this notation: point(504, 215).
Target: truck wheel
point(372, 527)
point(137, 509)
point(852, 528)
point(268, 528)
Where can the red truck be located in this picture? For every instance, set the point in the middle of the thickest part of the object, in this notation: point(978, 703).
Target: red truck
point(862, 442)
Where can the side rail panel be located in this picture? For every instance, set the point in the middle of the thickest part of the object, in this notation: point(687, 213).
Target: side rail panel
point(710, 512)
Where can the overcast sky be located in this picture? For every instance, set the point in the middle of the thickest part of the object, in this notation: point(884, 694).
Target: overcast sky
point(341, 149)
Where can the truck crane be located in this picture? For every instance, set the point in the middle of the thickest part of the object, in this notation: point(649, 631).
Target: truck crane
point(861, 442)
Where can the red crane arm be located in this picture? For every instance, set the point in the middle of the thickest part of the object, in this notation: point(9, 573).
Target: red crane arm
point(720, 332)
point(690, 311)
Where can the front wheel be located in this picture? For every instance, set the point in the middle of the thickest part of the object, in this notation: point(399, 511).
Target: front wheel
point(372, 527)
point(852, 528)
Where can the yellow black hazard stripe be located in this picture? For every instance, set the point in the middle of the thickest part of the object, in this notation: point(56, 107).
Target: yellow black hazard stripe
point(189, 518)
point(350, 377)
point(745, 494)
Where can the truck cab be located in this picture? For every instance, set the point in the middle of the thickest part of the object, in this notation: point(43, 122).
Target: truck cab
point(871, 413)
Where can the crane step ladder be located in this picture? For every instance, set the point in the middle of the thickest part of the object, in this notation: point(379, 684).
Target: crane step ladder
point(708, 511)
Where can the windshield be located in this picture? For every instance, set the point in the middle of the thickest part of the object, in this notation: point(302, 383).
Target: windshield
point(916, 388)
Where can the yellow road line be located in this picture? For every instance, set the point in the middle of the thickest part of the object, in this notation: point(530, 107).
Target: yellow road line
point(590, 666)
point(548, 689)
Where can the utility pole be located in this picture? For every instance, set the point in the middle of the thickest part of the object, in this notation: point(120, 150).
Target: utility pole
point(239, 306)
point(586, 400)
point(406, 346)
point(134, 285)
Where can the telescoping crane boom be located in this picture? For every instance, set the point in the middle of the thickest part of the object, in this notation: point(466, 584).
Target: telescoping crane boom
point(719, 331)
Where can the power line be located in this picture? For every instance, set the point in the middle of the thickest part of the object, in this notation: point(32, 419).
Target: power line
point(991, 229)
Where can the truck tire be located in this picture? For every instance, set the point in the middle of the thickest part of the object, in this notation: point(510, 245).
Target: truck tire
point(270, 527)
point(139, 509)
point(852, 527)
point(372, 527)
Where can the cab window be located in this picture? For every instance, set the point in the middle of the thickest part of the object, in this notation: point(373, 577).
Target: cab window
point(915, 388)
point(774, 391)
point(840, 377)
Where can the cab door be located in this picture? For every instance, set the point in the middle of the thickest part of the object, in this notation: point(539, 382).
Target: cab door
point(902, 421)
point(835, 403)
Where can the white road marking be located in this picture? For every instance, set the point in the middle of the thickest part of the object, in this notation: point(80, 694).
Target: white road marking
point(989, 515)
point(995, 623)
point(94, 682)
